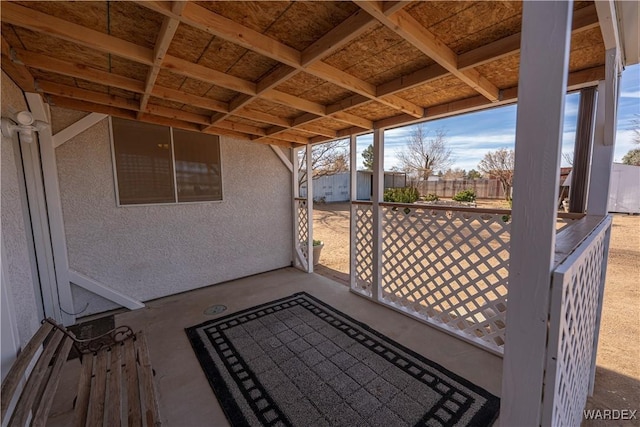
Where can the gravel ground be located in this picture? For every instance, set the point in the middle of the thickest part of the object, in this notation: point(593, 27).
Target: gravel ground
point(618, 371)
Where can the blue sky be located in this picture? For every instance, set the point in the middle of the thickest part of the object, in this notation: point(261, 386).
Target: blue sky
point(472, 135)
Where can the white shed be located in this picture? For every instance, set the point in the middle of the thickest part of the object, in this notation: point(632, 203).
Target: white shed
point(624, 192)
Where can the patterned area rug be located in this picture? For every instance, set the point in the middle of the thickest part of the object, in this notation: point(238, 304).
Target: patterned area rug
point(299, 362)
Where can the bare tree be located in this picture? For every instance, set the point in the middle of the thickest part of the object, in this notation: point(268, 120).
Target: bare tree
point(500, 164)
point(426, 154)
point(326, 159)
point(455, 173)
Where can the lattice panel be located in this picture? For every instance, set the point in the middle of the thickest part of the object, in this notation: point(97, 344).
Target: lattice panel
point(575, 307)
point(302, 232)
point(362, 248)
point(449, 268)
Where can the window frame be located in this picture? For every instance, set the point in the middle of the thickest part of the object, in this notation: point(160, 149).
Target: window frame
point(116, 183)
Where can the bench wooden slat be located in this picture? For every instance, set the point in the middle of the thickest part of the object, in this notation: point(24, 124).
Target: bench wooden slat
point(115, 382)
point(84, 391)
point(114, 409)
point(29, 395)
point(96, 403)
point(133, 393)
point(40, 417)
point(17, 371)
point(151, 412)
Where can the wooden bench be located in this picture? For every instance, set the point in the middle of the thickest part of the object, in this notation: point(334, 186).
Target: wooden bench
point(115, 386)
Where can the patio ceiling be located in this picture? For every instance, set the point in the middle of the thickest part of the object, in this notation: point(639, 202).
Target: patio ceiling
point(284, 73)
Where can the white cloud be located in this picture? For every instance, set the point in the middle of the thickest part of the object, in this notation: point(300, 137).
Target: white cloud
point(630, 94)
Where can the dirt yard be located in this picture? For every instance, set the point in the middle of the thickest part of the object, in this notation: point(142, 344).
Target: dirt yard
point(618, 372)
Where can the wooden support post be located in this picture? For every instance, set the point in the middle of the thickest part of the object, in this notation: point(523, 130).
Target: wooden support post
point(309, 150)
point(377, 197)
point(582, 151)
point(353, 196)
point(295, 191)
point(541, 94)
point(353, 167)
point(54, 208)
point(604, 138)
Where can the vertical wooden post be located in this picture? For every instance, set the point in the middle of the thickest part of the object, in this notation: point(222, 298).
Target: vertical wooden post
point(582, 151)
point(604, 138)
point(546, 32)
point(295, 192)
point(309, 208)
point(54, 209)
point(601, 165)
point(377, 197)
point(353, 167)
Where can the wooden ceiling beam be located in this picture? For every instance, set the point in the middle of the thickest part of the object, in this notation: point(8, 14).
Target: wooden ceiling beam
point(47, 63)
point(317, 129)
point(210, 22)
point(403, 24)
point(259, 116)
point(40, 22)
point(86, 95)
point(16, 71)
point(95, 98)
point(273, 141)
point(338, 77)
point(80, 71)
point(241, 127)
point(163, 41)
point(336, 38)
point(285, 136)
point(200, 72)
point(90, 107)
point(220, 26)
point(348, 30)
point(174, 95)
point(575, 81)
point(583, 19)
point(206, 20)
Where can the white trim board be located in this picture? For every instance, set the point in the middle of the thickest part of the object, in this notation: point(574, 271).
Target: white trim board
point(77, 128)
point(105, 292)
point(282, 157)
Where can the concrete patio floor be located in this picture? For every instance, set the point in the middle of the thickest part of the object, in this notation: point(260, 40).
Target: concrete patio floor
point(184, 395)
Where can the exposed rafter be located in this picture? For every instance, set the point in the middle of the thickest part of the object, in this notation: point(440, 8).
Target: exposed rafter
point(232, 97)
point(403, 24)
point(165, 36)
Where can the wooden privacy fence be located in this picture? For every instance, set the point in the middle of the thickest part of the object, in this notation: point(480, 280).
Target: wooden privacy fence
point(484, 188)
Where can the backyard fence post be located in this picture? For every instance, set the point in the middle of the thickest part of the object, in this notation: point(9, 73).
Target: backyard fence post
point(541, 95)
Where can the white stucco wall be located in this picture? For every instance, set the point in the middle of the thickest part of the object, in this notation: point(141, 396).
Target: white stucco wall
point(148, 252)
point(18, 277)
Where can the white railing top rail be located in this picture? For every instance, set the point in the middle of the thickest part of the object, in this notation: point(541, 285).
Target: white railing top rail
point(570, 238)
point(561, 215)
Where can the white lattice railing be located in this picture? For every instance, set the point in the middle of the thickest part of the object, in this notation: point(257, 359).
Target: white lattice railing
point(362, 248)
point(446, 266)
point(301, 233)
point(576, 304)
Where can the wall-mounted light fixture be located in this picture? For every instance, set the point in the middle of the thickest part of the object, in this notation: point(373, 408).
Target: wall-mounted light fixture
point(25, 127)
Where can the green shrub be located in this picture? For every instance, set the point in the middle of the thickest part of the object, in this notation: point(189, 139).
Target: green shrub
point(401, 195)
point(431, 197)
point(465, 196)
